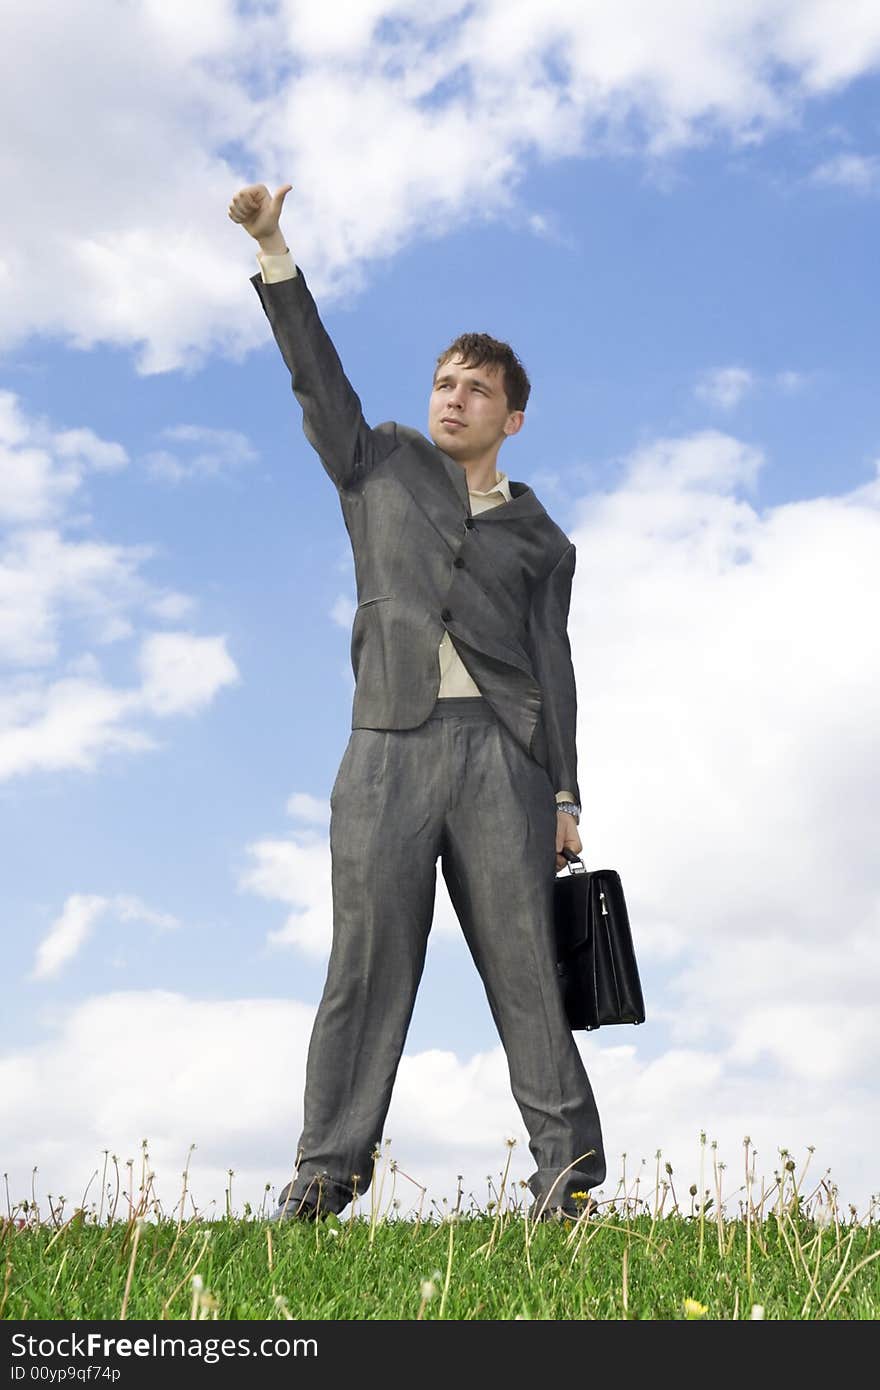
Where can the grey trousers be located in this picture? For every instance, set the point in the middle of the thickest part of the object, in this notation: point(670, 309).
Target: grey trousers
point(462, 789)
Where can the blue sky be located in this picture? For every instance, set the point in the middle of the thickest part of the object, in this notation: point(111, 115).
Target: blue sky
point(678, 235)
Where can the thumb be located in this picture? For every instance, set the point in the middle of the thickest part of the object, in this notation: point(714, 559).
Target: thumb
point(280, 194)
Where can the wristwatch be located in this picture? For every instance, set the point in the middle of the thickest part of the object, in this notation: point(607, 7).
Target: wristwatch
point(571, 807)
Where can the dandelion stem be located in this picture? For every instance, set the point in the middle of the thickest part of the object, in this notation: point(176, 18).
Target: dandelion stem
point(446, 1281)
point(134, 1248)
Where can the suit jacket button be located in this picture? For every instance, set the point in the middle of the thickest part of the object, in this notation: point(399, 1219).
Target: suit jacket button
point(446, 615)
point(458, 562)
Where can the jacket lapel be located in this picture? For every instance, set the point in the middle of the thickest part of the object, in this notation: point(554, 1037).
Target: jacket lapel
point(523, 503)
point(439, 485)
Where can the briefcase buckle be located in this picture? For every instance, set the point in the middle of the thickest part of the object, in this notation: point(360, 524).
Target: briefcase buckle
point(575, 864)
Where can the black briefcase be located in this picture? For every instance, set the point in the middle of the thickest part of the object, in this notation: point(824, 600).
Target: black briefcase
point(594, 949)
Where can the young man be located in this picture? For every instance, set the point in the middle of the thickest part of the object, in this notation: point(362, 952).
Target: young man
point(462, 745)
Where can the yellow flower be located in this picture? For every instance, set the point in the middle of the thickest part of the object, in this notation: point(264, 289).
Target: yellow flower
point(693, 1309)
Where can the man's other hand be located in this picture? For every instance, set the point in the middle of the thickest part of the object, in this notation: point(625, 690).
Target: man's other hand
point(567, 837)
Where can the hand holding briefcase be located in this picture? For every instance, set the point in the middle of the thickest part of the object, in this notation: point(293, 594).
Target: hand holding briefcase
point(595, 958)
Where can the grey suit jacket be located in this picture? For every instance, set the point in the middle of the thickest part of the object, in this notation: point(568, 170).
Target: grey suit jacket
point(499, 583)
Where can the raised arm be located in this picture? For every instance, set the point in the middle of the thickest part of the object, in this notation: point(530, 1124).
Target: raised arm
point(332, 417)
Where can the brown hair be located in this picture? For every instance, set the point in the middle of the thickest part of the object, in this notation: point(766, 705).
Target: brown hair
point(479, 350)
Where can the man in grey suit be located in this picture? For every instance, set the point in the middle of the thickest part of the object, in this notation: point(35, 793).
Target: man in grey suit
point(462, 745)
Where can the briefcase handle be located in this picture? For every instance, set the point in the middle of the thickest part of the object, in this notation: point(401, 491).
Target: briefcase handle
point(573, 859)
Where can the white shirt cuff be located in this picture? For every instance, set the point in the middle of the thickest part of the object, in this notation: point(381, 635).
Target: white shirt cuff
point(275, 268)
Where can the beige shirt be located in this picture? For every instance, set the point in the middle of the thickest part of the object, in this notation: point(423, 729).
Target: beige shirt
point(455, 679)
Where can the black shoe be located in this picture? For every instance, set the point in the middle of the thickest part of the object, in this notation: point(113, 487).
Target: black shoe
point(561, 1215)
point(296, 1209)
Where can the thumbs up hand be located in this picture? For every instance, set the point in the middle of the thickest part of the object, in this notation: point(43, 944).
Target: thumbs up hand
point(258, 210)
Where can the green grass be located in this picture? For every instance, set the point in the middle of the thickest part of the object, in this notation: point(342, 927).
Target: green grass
point(782, 1255)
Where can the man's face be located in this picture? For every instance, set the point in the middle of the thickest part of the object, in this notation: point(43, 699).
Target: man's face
point(468, 414)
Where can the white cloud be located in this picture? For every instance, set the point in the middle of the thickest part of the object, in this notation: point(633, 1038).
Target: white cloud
point(790, 381)
point(182, 673)
point(68, 933)
point(343, 611)
point(725, 386)
point(81, 913)
point(358, 107)
point(48, 582)
point(67, 1100)
point(93, 452)
point(308, 808)
point(856, 171)
point(809, 1044)
point(171, 607)
point(74, 721)
point(36, 488)
point(41, 468)
point(680, 475)
point(57, 592)
point(67, 723)
point(215, 452)
point(176, 1093)
point(295, 872)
